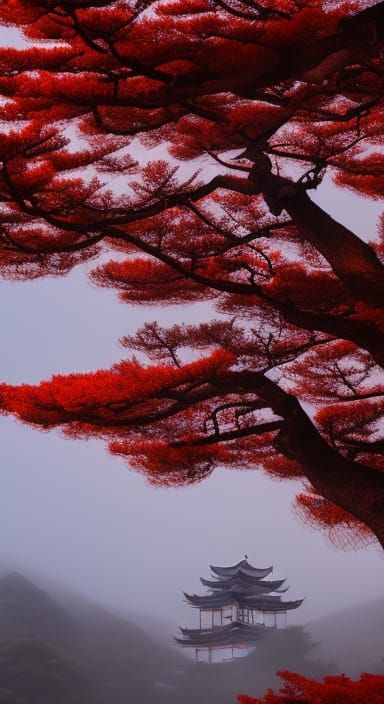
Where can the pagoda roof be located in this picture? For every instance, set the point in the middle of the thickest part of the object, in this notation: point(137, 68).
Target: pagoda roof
point(235, 633)
point(211, 601)
point(243, 582)
point(244, 601)
point(245, 567)
point(268, 603)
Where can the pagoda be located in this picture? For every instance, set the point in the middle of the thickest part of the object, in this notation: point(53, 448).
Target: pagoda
point(240, 606)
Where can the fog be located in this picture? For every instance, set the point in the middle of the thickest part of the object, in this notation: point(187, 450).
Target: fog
point(72, 513)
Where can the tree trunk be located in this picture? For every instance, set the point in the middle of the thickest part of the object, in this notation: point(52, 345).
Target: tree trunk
point(355, 488)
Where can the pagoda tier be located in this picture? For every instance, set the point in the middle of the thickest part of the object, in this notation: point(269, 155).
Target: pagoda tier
point(211, 601)
point(238, 594)
point(243, 582)
point(269, 603)
point(221, 600)
point(235, 633)
point(245, 567)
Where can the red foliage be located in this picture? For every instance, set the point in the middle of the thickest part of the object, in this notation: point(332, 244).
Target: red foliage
point(246, 107)
point(107, 393)
point(342, 528)
point(337, 689)
point(144, 281)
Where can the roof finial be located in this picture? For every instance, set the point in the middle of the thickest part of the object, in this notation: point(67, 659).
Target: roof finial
point(246, 557)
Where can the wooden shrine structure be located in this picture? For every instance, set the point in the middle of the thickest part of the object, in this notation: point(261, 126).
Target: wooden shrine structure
point(240, 606)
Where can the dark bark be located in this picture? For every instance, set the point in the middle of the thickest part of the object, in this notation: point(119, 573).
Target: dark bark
point(353, 261)
point(357, 489)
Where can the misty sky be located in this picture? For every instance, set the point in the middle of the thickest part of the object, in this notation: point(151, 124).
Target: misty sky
point(74, 513)
point(70, 511)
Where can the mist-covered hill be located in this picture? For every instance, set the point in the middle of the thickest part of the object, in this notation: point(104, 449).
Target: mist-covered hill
point(114, 661)
point(354, 637)
point(119, 659)
point(27, 611)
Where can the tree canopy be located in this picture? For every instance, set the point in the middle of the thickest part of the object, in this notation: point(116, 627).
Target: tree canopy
point(192, 144)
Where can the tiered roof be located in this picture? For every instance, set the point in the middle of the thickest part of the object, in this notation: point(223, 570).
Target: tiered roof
point(243, 601)
point(244, 567)
point(241, 586)
point(242, 582)
point(235, 633)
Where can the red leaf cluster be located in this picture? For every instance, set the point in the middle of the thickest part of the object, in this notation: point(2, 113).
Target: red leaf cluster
point(336, 689)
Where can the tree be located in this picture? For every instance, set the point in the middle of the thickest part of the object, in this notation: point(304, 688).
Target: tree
point(249, 108)
point(338, 688)
point(32, 671)
point(290, 649)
